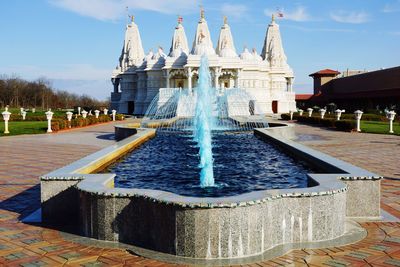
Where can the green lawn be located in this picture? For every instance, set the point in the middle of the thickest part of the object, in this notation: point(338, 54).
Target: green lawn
point(379, 127)
point(24, 127)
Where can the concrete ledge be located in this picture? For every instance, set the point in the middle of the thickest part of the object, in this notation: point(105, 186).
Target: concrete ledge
point(59, 196)
point(363, 196)
point(125, 130)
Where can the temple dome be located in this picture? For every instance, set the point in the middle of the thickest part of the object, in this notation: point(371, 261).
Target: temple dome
point(246, 55)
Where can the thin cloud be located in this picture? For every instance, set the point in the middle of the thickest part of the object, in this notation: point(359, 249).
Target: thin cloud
point(350, 17)
point(298, 14)
point(392, 7)
point(112, 10)
point(234, 11)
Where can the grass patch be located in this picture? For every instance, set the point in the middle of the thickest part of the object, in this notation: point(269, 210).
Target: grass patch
point(24, 127)
point(379, 127)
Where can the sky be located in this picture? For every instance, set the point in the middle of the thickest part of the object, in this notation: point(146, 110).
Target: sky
point(76, 43)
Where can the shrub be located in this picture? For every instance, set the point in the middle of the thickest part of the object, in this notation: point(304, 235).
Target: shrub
point(346, 125)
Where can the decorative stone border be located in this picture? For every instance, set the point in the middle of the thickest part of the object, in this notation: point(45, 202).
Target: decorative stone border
point(240, 226)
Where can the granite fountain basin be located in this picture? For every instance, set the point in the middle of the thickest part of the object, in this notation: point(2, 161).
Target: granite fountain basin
point(203, 229)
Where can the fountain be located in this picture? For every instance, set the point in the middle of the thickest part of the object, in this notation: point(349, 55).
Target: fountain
point(203, 110)
point(203, 122)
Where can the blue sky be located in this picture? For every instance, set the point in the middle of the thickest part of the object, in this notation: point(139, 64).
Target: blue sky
point(76, 43)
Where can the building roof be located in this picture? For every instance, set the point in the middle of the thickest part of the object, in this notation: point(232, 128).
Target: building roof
point(303, 96)
point(327, 72)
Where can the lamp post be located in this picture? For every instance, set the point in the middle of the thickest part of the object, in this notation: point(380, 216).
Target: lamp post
point(358, 115)
point(69, 117)
point(84, 114)
point(338, 113)
point(322, 112)
point(391, 115)
point(6, 116)
point(23, 115)
point(79, 111)
point(309, 110)
point(97, 113)
point(113, 114)
point(105, 111)
point(301, 112)
point(49, 116)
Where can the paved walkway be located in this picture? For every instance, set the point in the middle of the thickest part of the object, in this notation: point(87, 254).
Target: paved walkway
point(24, 158)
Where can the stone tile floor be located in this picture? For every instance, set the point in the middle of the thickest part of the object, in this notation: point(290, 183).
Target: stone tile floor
point(24, 158)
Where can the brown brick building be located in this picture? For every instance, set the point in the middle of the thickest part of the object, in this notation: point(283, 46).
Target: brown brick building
point(362, 91)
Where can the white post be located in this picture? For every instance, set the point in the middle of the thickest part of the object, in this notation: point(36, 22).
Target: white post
point(49, 116)
point(301, 112)
point(96, 113)
point(338, 113)
point(79, 111)
point(358, 114)
point(6, 116)
point(105, 111)
point(291, 115)
point(33, 110)
point(391, 115)
point(69, 117)
point(113, 114)
point(322, 112)
point(23, 115)
point(309, 110)
point(84, 114)
point(21, 110)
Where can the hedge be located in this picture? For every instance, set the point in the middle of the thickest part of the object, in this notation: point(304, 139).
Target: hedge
point(61, 124)
point(342, 125)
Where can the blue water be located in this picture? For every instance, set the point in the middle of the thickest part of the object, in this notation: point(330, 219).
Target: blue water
point(242, 163)
point(203, 122)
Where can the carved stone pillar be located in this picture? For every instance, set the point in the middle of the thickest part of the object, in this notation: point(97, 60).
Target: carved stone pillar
point(217, 74)
point(189, 76)
point(167, 79)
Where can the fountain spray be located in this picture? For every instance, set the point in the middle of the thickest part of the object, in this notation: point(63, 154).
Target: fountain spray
point(203, 121)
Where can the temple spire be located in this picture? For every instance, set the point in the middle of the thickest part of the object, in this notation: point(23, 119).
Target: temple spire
point(132, 52)
point(225, 46)
point(179, 44)
point(273, 50)
point(202, 43)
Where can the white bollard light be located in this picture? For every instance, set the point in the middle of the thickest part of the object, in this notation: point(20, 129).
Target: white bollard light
point(84, 114)
point(301, 112)
point(358, 115)
point(309, 110)
point(338, 114)
point(69, 117)
point(105, 111)
point(21, 110)
point(114, 112)
point(33, 110)
point(49, 116)
point(291, 115)
point(6, 117)
point(322, 112)
point(97, 113)
point(391, 115)
point(23, 115)
point(79, 111)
